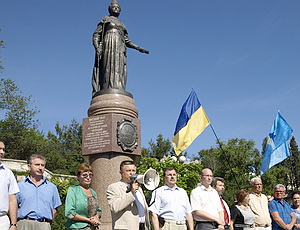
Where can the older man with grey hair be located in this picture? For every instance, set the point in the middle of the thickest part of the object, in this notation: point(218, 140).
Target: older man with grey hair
point(259, 205)
point(283, 218)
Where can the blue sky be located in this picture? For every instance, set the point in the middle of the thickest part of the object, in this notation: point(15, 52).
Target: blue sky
point(242, 58)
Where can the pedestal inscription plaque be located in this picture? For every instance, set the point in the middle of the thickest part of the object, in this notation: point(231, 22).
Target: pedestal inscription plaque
point(101, 134)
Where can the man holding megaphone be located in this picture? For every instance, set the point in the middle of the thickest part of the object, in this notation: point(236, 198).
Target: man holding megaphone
point(128, 206)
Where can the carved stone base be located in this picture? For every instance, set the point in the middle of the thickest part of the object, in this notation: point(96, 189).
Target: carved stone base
point(110, 135)
point(113, 103)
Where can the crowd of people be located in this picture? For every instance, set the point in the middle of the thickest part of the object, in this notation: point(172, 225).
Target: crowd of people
point(31, 204)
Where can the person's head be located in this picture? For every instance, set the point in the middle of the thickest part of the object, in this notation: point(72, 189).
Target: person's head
point(114, 9)
point(170, 177)
point(206, 177)
point(279, 191)
point(296, 199)
point(84, 174)
point(256, 185)
point(127, 169)
point(218, 184)
point(242, 197)
point(36, 165)
point(2, 148)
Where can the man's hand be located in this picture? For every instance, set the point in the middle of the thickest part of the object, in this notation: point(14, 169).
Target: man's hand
point(289, 227)
point(220, 227)
point(134, 187)
point(13, 227)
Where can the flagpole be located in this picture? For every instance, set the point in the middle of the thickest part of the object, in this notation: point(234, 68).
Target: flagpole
point(227, 159)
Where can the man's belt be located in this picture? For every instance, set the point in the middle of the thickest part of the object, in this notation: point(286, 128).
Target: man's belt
point(39, 220)
point(176, 222)
point(243, 225)
point(215, 224)
point(226, 226)
point(262, 225)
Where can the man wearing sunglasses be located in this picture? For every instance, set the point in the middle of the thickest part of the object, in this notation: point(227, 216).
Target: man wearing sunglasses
point(283, 218)
point(38, 198)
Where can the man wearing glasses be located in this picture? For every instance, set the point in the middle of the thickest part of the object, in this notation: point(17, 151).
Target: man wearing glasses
point(259, 205)
point(38, 198)
point(206, 206)
point(170, 206)
point(283, 218)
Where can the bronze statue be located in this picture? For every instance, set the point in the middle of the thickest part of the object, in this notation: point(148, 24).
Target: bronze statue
point(110, 40)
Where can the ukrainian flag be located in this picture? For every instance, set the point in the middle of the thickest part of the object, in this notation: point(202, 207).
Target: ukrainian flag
point(191, 122)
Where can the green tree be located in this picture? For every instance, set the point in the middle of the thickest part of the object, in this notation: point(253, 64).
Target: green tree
point(188, 173)
point(18, 128)
point(294, 163)
point(63, 149)
point(237, 162)
point(158, 149)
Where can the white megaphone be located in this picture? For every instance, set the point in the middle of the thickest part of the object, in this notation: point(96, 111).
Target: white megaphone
point(150, 179)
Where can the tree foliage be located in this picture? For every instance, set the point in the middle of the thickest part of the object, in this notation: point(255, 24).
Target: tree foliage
point(188, 173)
point(18, 127)
point(237, 161)
point(63, 151)
point(158, 149)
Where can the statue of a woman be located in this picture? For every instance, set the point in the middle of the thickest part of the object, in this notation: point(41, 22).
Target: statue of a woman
point(110, 40)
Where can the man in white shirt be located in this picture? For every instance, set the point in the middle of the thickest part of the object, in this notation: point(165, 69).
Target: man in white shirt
point(206, 206)
point(170, 206)
point(8, 200)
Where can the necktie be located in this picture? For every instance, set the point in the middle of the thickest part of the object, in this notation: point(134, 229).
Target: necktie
point(226, 216)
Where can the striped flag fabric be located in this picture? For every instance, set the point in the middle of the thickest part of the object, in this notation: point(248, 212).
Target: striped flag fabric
point(191, 123)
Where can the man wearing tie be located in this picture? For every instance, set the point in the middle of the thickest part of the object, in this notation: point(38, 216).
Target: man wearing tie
point(219, 186)
point(127, 202)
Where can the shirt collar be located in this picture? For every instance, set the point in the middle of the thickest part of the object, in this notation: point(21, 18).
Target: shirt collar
point(256, 194)
point(206, 189)
point(30, 181)
point(166, 187)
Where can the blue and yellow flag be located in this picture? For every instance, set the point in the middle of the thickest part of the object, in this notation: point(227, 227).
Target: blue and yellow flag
point(277, 145)
point(191, 122)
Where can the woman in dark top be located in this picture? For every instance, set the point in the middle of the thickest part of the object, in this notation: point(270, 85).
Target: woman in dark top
point(242, 218)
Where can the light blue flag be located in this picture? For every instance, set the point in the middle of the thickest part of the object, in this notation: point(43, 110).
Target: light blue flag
point(277, 145)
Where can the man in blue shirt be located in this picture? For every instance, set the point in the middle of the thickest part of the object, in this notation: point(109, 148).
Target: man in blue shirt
point(170, 206)
point(283, 218)
point(38, 197)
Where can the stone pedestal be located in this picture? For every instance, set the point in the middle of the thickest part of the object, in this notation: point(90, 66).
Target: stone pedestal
point(110, 135)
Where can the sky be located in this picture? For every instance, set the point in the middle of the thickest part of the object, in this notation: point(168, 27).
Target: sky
point(241, 57)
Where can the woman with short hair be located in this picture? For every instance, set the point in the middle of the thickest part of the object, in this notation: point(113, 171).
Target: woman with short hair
point(82, 206)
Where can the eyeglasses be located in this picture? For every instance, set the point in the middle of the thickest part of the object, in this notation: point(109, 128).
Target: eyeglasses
point(86, 175)
point(280, 191)
point(208, 176)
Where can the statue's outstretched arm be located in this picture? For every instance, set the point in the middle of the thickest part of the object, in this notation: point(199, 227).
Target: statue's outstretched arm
point(130, 44)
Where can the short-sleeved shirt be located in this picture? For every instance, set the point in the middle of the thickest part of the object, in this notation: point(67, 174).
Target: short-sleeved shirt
point(171, 204)
point(284, 210)
point(297, 214)
point(37, 202)
point(8, 186)
point(259, 206)
point(207, 200)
